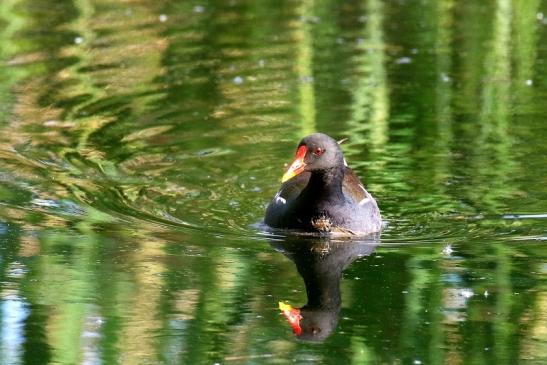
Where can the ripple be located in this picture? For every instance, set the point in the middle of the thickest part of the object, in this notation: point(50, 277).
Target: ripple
point(525, 216)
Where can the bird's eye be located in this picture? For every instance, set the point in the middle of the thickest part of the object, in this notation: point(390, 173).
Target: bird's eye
point(318, 151)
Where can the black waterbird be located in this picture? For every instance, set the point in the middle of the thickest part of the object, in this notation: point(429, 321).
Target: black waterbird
point(320, 193)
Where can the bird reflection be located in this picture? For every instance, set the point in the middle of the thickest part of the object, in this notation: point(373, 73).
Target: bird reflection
point(320, 263)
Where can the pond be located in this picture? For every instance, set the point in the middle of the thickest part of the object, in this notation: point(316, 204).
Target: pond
point(140, 142)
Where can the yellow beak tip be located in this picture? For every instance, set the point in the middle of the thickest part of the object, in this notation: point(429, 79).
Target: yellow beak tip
point(283, 306)
point(286, 177)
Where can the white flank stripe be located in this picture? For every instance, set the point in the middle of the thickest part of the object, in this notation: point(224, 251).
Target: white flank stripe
point(364, 201)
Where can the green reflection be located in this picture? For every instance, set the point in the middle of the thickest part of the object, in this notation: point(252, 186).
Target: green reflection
point(142, 139)
point(370, 107)
point(304, 66)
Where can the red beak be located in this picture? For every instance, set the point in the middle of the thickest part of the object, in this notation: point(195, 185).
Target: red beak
point(293, 317)
point(298, 164)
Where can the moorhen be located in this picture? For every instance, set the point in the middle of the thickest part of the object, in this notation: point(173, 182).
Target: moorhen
point(320, 193)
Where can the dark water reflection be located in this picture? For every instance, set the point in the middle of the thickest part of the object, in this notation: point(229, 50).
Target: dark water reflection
point(141, 141)
point(320, 263)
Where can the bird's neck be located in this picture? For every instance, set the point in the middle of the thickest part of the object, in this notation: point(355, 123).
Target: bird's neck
point(323, 291)
point(327, 183)
point(322, 278)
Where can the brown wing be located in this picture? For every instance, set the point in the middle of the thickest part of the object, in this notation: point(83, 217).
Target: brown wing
point(352, 187)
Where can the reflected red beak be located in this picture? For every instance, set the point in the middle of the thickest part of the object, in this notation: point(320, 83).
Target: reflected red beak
point(298, 164)
point(293, 317)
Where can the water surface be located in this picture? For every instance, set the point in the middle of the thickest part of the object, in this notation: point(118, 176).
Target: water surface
point(141, 141)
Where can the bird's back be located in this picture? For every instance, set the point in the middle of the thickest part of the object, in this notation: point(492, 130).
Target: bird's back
point(358, 213)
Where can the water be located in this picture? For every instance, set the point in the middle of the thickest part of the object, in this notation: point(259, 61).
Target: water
point(141, 141)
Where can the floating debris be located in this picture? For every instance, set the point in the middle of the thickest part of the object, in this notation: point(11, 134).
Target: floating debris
point(403, 60)
point(445, 77)
point(466, 293)
point(310, 19)
point(306, 79)
point(199, 9)
point(238, 80)
point(447, 250)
